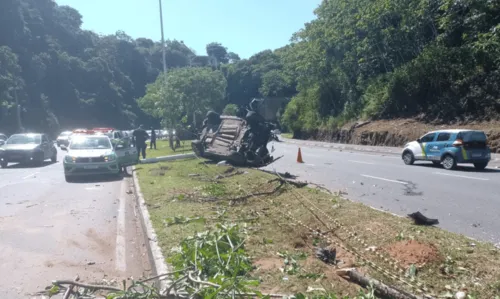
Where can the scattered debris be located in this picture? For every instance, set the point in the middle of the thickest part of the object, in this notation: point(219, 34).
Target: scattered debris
point(371, 248)
point(129, 192)
point(420, 219)
point(222, 163)
point(460, 295)
point(183, 220)
point(29, 206)
point(326, 255)
point(90, 263)
point(311, 290)
point(476, 224)
point(194, 175)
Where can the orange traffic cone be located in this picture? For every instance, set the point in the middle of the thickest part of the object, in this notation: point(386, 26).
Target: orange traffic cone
point(299, 157)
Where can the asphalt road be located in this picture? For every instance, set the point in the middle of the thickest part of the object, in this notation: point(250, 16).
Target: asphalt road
point(465, 201)
point(51, 229)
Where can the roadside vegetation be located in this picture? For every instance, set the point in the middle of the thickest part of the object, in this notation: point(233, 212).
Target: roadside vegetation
point(438, 60)
point(253, 232)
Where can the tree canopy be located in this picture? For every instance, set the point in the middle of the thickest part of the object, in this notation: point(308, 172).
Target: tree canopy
point(371, 59)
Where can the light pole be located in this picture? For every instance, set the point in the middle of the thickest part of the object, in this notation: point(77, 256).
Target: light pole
point(163, 43)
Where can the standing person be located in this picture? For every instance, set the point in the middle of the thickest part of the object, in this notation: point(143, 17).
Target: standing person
point(140, 137)
point(171, 141)
point(153, 138)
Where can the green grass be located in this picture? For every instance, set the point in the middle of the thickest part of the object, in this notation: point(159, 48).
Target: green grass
point(287, 135)
point(163, 149)
point(195, 197)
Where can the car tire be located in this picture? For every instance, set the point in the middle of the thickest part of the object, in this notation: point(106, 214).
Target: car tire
point(68, 178)
point(408, 158)
point(4, 164)
point(53, 159)
point(436, 163)
point(481, 165)
point(449, 162)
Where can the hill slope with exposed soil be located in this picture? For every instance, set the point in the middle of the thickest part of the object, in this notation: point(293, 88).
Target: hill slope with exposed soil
point(396, 132)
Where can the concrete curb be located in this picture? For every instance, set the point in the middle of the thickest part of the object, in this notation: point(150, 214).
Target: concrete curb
point(156, 258)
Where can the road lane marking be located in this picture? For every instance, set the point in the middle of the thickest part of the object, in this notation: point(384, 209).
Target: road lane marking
point(362, 162)
point(462, 176)
point(120, 256)
point(384, 179)
point(33, 174)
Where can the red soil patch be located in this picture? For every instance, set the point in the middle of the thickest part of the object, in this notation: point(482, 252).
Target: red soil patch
point(267, 264)
point(413, 252)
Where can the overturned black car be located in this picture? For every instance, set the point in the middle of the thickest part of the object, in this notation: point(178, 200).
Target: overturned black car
point(240, 141)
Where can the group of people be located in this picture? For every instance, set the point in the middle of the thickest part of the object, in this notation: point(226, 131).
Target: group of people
point(140, 136)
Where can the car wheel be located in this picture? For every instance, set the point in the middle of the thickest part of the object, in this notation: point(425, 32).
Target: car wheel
point(436, 163)
point(481, 165)
point(449, 162)
point(68, 178)
point(54, 158)
point(4, 164)
point(408, 158)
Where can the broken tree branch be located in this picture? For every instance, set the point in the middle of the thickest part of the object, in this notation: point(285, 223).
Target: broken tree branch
point(70, 289)
point(163, 275)
point(84, 285)
point(245, 197)
point(381, 289)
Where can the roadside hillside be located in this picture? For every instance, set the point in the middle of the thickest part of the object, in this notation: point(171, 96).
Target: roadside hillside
point(395, 132)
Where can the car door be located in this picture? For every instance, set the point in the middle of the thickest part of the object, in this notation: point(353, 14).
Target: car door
point(436, 148)
point(425, 143)
point(126, 154)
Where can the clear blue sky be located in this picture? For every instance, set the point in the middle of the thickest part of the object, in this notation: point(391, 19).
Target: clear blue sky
point(243, 26)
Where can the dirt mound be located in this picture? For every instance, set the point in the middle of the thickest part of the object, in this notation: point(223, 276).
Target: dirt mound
point(413, 252)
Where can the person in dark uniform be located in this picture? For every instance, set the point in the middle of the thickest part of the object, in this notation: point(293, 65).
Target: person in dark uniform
point(153, 138)
point(171, 141)
point(140, 137)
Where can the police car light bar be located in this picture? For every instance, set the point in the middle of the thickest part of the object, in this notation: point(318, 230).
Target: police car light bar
point(103, 129)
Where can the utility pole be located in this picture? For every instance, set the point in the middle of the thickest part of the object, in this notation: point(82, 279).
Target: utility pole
point(163, 44)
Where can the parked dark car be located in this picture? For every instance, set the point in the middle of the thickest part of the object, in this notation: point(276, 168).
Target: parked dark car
point(27, 148)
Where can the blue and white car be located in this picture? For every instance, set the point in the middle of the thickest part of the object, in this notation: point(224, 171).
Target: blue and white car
point(449, 147)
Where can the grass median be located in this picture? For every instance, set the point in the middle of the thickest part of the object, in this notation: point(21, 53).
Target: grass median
point(280, 223)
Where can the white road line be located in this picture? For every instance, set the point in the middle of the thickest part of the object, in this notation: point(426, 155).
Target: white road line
point(354, 161)
point(383, 179)
point(33, 174)
point(120, 258)
point(462, 176)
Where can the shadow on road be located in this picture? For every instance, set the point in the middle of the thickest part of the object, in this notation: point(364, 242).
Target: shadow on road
point(30, 165)
point(462, 168)
point(95, 179)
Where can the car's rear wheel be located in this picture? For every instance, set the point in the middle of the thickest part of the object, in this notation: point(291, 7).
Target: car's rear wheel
point(4, 164)
point(68, 178)
point(408, 158)
point(53, 159)
point(449, 162)
point(481, 165)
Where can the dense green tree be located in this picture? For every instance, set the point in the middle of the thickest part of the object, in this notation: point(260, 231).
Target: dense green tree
point(186, 93)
